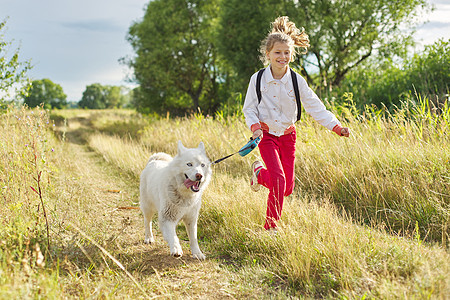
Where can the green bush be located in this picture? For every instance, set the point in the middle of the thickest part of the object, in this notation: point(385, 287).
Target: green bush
point(387, 83)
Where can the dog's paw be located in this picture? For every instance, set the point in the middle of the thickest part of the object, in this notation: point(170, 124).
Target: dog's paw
point(150, 240)
point(176, 251)
point(199, 256)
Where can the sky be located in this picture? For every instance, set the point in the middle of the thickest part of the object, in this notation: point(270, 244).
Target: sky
point(76, 43)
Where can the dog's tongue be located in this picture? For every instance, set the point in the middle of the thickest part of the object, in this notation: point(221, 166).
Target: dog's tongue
point(188, 183)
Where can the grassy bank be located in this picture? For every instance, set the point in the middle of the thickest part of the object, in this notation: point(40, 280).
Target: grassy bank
point(368, 218)
point(392, 172)
point(361, 208)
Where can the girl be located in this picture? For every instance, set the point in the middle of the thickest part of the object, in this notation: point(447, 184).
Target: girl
point(273, 117)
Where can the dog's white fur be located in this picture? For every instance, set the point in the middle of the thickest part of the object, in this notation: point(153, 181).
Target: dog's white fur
point(173, 187)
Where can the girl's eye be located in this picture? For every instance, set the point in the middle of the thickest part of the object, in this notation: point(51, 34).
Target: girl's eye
point(189, 164)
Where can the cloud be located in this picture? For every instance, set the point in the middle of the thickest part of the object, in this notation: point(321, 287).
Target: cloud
point(434, 25)
point(93, 25)
point(440, 2)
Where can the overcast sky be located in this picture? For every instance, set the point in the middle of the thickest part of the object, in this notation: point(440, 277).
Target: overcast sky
point(76, 43)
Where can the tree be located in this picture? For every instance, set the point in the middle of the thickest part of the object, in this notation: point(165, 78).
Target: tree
point(176, 59)
point(114, 96)
point(93, 97)
point(46, 92)
point(13, 79)
point(97, 96)
point(387, 83)
point(243, 24)
point(364, 28)
point(343, 33)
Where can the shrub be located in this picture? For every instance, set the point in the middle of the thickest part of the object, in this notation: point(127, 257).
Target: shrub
point(387, 83)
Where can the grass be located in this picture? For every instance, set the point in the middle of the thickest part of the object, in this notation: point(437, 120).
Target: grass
point(368, 218)
point(26, 177)
point(389, 173)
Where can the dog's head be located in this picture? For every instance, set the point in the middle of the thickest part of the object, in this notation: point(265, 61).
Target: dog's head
point(195, 166)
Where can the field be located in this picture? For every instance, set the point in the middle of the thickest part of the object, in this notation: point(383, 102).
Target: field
point(369, 217)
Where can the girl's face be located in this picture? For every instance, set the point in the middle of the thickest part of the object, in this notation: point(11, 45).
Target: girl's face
point(280, 55)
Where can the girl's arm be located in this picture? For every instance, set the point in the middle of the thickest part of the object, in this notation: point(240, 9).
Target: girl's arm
point(314, 107)
point(250, 108)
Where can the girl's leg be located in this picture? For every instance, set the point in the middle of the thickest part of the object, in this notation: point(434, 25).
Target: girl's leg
point(287, 157)
point(278, 153)
point(272, 177)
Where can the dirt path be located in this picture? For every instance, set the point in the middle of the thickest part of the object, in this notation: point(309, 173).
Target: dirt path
point(108, 212)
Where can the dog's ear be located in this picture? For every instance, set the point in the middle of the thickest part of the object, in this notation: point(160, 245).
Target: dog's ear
point(181, 148)
point(201, 146)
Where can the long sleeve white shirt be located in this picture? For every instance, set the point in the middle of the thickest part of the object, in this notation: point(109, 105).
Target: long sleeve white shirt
point(278, 106)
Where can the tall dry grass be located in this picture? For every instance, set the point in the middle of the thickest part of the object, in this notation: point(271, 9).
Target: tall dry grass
point(27, 159)
point(369, 216)
point(393, 170)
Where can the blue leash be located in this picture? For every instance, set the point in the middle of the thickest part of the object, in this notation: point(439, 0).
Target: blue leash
point(246, 149)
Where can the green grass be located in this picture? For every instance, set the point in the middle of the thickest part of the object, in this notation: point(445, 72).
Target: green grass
point(26, 176)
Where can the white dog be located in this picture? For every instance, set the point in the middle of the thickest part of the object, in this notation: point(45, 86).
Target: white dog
point(173, 187)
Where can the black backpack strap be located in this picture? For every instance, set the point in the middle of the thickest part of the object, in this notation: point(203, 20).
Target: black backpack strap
point(297, 94)
point(294, 83)
point(258, 84)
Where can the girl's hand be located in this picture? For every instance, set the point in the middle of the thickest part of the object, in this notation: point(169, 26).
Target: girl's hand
point(345, 132)
point(257, 133)
point(341, 131)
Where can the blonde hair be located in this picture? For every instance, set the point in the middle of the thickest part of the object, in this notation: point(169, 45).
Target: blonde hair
point(284, 31)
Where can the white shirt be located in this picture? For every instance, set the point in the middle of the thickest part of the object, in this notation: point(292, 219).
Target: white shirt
point(278, 106)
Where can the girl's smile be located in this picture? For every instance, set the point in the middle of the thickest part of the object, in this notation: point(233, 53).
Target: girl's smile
point(279, 58)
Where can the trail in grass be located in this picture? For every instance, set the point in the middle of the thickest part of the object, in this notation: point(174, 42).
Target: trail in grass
point(322, 253)
point(112, 215)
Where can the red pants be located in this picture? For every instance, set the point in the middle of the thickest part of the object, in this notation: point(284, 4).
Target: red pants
point(278, 154)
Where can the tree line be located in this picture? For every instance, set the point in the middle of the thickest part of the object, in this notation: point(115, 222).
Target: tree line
point(96, 96)
point(196, 55)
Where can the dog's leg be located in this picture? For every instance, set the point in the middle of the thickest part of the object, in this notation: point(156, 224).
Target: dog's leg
point(168, 230)
point(148, 229)
point(191, 228)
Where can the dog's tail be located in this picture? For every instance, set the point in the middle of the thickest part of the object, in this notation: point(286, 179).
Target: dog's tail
point(159, 156)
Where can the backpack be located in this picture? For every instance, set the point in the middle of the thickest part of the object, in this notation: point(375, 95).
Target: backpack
point(294, 83)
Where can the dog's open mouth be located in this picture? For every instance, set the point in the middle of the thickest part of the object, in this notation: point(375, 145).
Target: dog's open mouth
point(194, 185)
